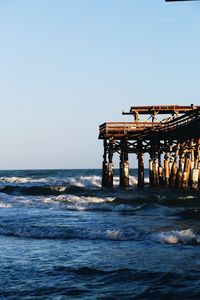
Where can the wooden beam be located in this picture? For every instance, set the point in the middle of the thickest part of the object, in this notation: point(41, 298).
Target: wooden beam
point(160, 109)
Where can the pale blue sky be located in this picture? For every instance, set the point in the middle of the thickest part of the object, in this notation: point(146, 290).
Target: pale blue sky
point(68, 66)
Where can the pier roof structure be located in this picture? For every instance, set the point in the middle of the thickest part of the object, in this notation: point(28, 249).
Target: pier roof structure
point(161, 109)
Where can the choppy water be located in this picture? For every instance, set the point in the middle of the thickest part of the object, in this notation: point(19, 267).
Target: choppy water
point(63, 237)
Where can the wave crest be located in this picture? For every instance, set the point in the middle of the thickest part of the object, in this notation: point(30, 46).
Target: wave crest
point(65, 232)
point(5, 205)
point(21, 180)
point(186, 236)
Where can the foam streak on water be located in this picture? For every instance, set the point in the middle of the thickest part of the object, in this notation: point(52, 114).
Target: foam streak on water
point(64, 237)
point(186, 236)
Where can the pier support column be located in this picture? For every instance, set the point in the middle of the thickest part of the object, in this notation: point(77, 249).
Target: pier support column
point(186, 173)
point(105, 174)
point(198, 157)
point(195, 170)
point(166, 170)
point(170, 161)
point(174, 172)
point(124, 173)
point(124, 167)
point(181, 167)
point(174, 169)
point(140, 169)
point(153, 163)
point(160, 175)
point(192, 159)
point(155, 173)
point(160, 171)
point(151, 172)
point(195, 179)
point(108, 166)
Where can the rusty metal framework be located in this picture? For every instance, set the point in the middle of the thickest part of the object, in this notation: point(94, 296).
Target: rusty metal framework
point(154, 110)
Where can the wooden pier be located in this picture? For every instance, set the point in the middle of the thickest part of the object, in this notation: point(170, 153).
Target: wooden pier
point(172, 143)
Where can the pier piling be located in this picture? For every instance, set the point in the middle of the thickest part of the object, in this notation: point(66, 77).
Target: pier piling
point(140, 169)
point(124, 166)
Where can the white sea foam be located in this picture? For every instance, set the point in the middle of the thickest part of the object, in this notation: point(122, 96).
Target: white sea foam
point(79, 181)
point(81, 202)
point(133, 180)
point(31, 231)
point(65, 201)
point(113, 234)
point(189, 197)
point(95, 181)
point(49, 200)
point(186, 236)
point(24, 200)
point(82, 199)
point(107, 234)
point(84, 181)
point(21, 180)
point(5, 205)
point(43, 231)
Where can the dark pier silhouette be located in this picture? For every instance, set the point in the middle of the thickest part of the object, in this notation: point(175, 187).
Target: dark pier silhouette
point(172, 143)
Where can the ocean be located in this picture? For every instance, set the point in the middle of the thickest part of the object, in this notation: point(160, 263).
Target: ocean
point(64, 237)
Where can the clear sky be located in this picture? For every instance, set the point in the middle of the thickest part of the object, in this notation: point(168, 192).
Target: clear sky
point(67, 66)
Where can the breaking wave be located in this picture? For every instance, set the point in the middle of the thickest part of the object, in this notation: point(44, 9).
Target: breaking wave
point(22, 180)
point(79, 181)
point(186, 237)
point(84, 181)
point(39, 190)
point(5, 205)
point(72, 202)
point(98, 203)
point(42, 231)
point(65, 232)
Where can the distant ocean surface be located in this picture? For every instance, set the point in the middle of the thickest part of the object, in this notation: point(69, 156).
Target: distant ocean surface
point(64, 237)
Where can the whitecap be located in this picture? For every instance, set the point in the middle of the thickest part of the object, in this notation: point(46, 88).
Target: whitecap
point(186, 236)
point(82, 203)
point(95, 181)
point(21, 180)
point(189, 197)
point(113, 234)
point(82, 199)
point(89, 181)
point(133, 180)
point(5, 205)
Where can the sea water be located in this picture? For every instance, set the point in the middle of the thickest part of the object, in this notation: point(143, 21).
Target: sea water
point(64, 237)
